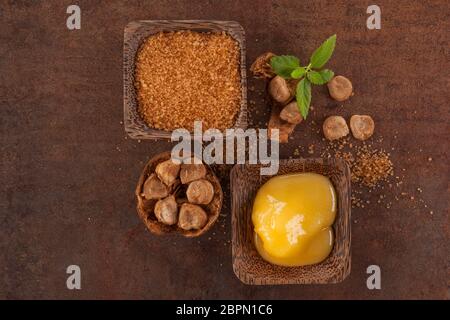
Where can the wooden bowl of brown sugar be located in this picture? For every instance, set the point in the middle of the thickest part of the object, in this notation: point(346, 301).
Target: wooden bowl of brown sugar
point(178, 198)
point(178, 72)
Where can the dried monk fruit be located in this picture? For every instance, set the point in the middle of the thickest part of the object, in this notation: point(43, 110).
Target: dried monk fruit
point(335, 127)
point(362, 126)
point(167, 171)
point(191, 172)
point(279, 90)
point(340, 88)
point(154, 188)
point(166, 210)
point(200, 192)
point(291, 114)
point(192, 217)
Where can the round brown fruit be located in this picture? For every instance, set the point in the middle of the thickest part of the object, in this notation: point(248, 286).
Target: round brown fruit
point(167, 171)
point(192, 217)
point(362, 126)
point(340, 88)
point(166, 210)
point(191, 172)
point(154, 188)
point(200, 192)
point(279, 90)
point(291, 114)
point(335, 127)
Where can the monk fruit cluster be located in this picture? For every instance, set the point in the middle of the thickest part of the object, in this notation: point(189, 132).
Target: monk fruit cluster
point(181, 192)
point(289, 86)
point(335, 127)
point(301, 77)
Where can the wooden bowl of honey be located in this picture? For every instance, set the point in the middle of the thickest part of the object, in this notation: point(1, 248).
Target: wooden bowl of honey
point(251, 264)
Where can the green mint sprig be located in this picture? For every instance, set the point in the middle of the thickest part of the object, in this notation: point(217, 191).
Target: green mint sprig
point(289, 67)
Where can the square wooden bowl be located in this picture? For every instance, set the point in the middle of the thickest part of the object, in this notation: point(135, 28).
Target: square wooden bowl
point(135, 33)
point(248, 265)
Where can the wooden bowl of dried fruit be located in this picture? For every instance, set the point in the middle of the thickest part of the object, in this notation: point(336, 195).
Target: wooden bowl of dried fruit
point(178, 198)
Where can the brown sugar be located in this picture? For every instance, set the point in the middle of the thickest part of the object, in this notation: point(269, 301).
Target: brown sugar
point(371, 170)
point(371, 167)
point(186, 76)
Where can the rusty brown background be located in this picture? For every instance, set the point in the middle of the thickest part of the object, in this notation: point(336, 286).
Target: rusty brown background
point(68, 172)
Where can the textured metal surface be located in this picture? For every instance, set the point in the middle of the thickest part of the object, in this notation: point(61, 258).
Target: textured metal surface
point(68, 173)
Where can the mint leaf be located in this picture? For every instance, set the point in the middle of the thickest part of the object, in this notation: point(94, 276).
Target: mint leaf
point(320, 77)
point(323, 53)
point(303, 96)
point(284, 65)
point(298, 73)
point(326, 74)
point(315, 77)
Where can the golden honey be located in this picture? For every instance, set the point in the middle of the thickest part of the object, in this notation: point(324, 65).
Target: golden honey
point(293, 216)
